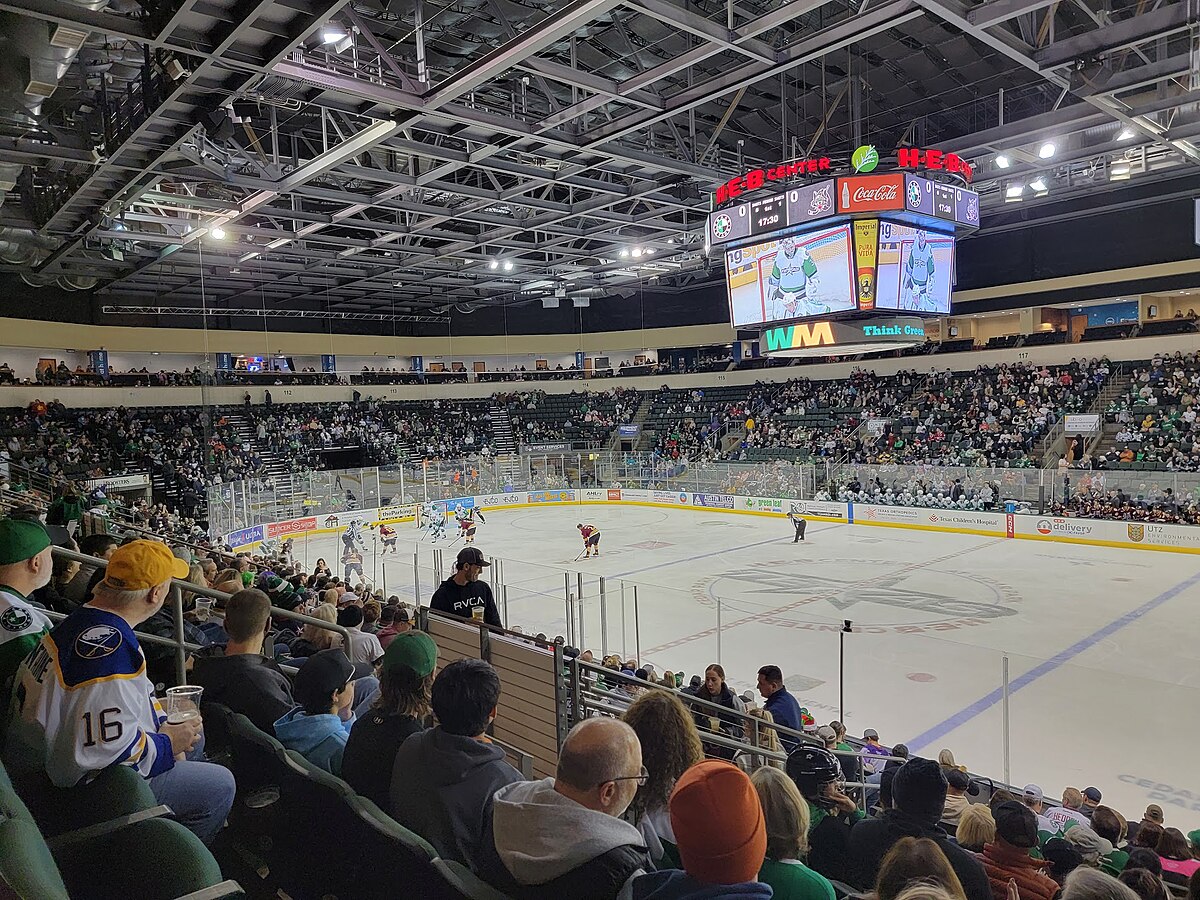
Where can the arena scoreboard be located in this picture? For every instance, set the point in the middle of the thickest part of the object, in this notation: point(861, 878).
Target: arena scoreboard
point(845, 246)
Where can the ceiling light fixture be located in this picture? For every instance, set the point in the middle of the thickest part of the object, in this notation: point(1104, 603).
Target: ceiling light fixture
point(1047, 150)
point(1002, 161)
point(636, 252)
point(217, 233)
point(1014, 192)
point(493, 265)
point(332, 33)
point(1039, 185)
point(508, 265)
point(1127, 134)
point(624, 252)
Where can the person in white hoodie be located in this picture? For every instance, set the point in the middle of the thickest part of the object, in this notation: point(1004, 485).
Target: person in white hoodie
point(563, 836)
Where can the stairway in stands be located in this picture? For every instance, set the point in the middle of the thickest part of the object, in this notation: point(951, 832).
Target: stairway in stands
point(274, 466)
point(504, 441)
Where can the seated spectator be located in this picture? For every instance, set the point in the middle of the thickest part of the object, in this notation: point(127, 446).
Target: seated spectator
point(313, 639)
point(716, 813)
point(1092, 884)
point(242, 678)
point(1090, 846)
point(1177, 861)
point(764, 738)
point(918, 796)
point(714, 690)
point(779, 703)
point(1007, 858)
point(1148, 835)
point(364, 647)
point(913, 861)
point(25, 566)
point(319, 726)
point(976, 828)
point(400, 709)
point(1091, 800)
point(670, 746)
point(1110, 825)
point(830, 812)
point(785, 812)
point(1069, 813)
point(873, 748)
point(463, 592)
point(958, 787)
point(1035, 799)
point(1152, 815)
point(79, 588)
point(443, 779)
point(1145, 884)
point(563, 836)
point(69, 695)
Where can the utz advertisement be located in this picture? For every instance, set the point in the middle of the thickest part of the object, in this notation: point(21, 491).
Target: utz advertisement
point(245, 536)
point(292, 526)
point(551, 496)
point(713, 501)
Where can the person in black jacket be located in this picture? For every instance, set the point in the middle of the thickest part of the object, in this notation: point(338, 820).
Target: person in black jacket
point(715, 690)
point(918, 797)
point(463, 593)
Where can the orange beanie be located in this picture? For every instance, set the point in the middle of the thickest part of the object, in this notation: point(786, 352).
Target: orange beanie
point(718, 824)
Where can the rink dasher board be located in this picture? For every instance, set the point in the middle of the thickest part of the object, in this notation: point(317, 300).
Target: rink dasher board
point(1056, 529)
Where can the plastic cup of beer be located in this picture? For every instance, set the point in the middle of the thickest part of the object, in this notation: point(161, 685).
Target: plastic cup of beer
point(183, 704)
point(477, 613)
point(203, 608)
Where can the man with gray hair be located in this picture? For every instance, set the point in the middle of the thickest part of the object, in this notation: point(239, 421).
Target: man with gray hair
point(83, 701)
point(563, 836)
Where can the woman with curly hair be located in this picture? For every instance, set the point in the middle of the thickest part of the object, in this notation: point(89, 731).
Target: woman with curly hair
point(670, 746)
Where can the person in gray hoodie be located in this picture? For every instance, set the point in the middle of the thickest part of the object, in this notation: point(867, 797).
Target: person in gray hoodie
point(319, 727)
point(444, 778)
point(563, 836)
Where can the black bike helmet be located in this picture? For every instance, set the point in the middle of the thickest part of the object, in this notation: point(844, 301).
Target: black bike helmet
point(812, 768)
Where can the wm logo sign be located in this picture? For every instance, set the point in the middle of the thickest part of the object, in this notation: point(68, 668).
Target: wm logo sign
point(818, 334)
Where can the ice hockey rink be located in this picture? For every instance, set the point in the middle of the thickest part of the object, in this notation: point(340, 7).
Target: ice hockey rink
point(1101, 643)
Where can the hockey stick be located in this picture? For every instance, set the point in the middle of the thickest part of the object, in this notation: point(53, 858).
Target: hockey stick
point(479, 512)
point(453, 542)
point(581, 552)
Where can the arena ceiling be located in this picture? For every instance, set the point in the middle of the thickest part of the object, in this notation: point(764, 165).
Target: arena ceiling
point(400, 158)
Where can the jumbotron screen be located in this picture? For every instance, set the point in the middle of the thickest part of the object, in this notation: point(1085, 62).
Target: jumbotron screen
point(915, 269)
point(792, 277)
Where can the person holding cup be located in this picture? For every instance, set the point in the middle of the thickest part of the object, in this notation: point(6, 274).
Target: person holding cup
point(464, 595)
point(86, 703)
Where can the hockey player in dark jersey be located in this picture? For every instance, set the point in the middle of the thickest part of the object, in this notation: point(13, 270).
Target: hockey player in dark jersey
point(591, 540)
point(388, 535)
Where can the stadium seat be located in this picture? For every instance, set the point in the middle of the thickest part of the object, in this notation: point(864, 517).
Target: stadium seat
point(26, 867)
point(465, 883)
point(117, 791)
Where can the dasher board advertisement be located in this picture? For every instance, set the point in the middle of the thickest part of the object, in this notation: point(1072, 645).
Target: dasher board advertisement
point(793, 277)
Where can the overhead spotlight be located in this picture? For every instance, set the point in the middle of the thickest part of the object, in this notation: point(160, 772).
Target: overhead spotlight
point(649, 251)
point(636, 252)
point(1002, 161)
point(1127, 134)
point(624, 252)
point(218, 124)
point(332, 33)
point(1046, 150)
point(1038, 185)
point(1014, 192)
point(493, 265)
point(217, 233)
point(508, 265)
point(670, 240)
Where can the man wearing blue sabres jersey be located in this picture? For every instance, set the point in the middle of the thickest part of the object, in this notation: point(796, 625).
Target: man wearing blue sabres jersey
point(82, 701)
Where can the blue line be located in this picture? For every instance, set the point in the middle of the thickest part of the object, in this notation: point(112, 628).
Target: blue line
point(712, 553)
point(967, 713)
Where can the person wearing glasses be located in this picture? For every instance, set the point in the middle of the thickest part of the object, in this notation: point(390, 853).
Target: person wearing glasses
point(564, 836)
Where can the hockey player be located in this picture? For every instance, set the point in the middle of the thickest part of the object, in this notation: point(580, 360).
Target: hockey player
point(437, 521)
point(352, 562)
point(798, 522)
point(792, 287)
point(466, 525)
point(918, 274)
point(388, 535)
point(352, 536)
point(591, 540)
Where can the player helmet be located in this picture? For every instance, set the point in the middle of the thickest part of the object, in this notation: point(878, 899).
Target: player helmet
point(788, 246)
point(580, 525)
point(921, 240)
point(812, 768)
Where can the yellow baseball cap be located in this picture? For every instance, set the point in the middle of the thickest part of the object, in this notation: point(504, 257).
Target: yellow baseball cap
point(141, 565)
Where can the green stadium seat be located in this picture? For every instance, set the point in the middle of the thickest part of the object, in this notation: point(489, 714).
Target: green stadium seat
point(465, 883)
point(115, 792)
point(26, 867)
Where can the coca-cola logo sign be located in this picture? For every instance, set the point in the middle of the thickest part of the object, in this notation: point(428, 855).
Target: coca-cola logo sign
point(870, 193)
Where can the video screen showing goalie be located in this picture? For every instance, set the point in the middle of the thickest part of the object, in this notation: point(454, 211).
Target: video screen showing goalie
point(915, 269)
point(809, 274)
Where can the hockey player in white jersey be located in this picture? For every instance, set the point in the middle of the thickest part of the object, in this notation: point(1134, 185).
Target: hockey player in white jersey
point(82, 701)
point(919, 275)
point(792, 286)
